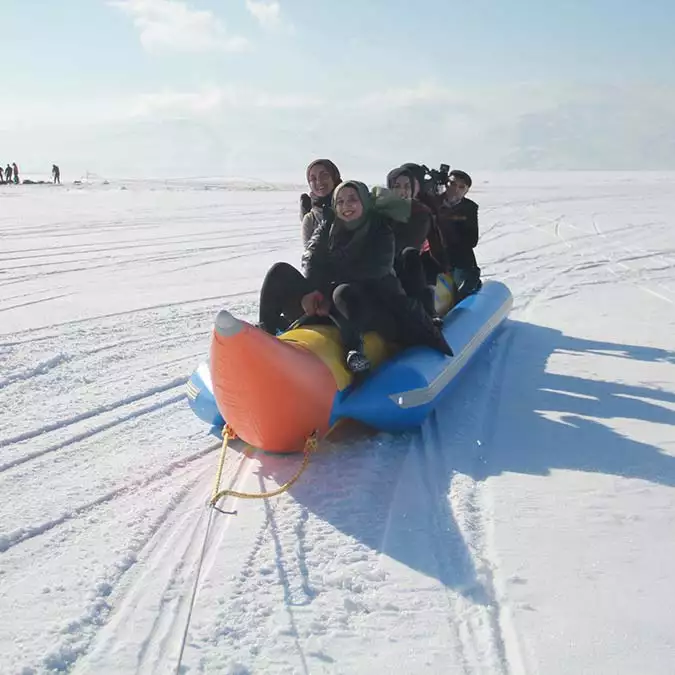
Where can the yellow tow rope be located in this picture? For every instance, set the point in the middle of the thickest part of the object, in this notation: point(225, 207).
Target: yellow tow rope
point(311, 445)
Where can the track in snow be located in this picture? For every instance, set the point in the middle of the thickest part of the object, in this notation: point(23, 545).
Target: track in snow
point(384, 556)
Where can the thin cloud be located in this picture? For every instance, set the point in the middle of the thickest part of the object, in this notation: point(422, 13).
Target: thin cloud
point(178, 103)
point(401, 97)
point(267, 13)
point(171, 25)
point(425, 101)
point(216, 100)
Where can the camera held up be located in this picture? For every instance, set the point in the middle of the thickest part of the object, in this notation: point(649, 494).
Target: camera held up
point(436, 180)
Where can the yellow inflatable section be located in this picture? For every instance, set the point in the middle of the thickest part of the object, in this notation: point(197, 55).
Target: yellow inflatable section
point(324, 342)
point(444, 295)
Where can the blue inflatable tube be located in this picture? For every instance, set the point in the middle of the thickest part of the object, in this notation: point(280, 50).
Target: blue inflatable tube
point(200, 396)
point(402, 392)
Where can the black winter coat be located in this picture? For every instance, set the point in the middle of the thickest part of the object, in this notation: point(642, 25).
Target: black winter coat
point(415, 232)
point(459, 226)
point(335, 255)
point(320, 210)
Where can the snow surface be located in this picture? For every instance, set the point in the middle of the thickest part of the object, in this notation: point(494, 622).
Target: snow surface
point(527, 528)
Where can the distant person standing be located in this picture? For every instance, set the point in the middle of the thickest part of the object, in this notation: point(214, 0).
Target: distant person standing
point(8, 173)
point(16, 173)
point(56, 173)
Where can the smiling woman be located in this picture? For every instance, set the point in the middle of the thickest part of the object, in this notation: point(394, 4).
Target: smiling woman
point(322, 178)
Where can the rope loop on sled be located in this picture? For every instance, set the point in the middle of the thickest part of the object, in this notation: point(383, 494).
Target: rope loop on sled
point(228, 434)
point(311, 446)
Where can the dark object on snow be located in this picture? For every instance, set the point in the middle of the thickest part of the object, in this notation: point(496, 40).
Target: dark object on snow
point(305, 205)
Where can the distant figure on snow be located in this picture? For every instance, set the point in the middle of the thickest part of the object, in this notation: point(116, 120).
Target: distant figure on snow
point(8, 173)
point(16, 173)
point(56, 174)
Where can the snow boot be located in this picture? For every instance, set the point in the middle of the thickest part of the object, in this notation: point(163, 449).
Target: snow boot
point(357, 362)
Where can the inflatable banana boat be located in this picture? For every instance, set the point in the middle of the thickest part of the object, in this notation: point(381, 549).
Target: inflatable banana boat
point(275, 391)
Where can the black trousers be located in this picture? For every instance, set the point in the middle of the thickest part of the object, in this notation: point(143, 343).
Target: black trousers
point(361, 309)
point(357, 307)
point(378, 305)
point(281, 297)
point(431, 268)
point(382, 305)
point(410, 270)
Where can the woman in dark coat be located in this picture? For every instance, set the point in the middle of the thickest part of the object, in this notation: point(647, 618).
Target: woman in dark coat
point(322, 177)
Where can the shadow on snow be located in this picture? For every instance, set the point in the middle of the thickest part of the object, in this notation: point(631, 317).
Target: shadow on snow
point(392, 494)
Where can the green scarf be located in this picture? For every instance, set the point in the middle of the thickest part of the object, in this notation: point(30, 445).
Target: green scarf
point(379, 201)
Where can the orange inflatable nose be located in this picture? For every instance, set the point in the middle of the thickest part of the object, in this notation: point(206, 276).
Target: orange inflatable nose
point(274, 394)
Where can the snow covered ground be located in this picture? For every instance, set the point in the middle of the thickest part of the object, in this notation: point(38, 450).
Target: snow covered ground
point(527, 528)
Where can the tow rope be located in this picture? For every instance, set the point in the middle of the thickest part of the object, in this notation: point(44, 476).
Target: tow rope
point(311, 446)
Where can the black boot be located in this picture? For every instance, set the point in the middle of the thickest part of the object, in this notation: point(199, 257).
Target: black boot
point(468, 282)
point(357, 362)
point(429, 301)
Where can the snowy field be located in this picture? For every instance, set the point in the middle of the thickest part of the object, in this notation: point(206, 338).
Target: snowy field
point(529, 527)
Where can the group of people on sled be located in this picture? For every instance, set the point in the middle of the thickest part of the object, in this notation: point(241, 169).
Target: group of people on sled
point(372, 257)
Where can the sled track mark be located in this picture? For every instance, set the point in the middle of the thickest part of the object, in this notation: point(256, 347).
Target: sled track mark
point(93, 431)
point(169, 619)
point(22, 534)
point(606, 262)
point(479, 600)
point(222, 298)
point(290, 510)
point(473, 610)
point(27, 294)
point(26, 436)
point(65, 655)
point(538, 291)
point(445, 548)
point(277, 548)
point(635, 254)
point(64, 250)
point(29, 341)
point(34, 302)
point(285, 578)
point(641, 252)
point(159, 589)
point(510, 648)
point(218, 261)
point(241, 622)
point(90, 432)
point(300, 531)
point(39, 369)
